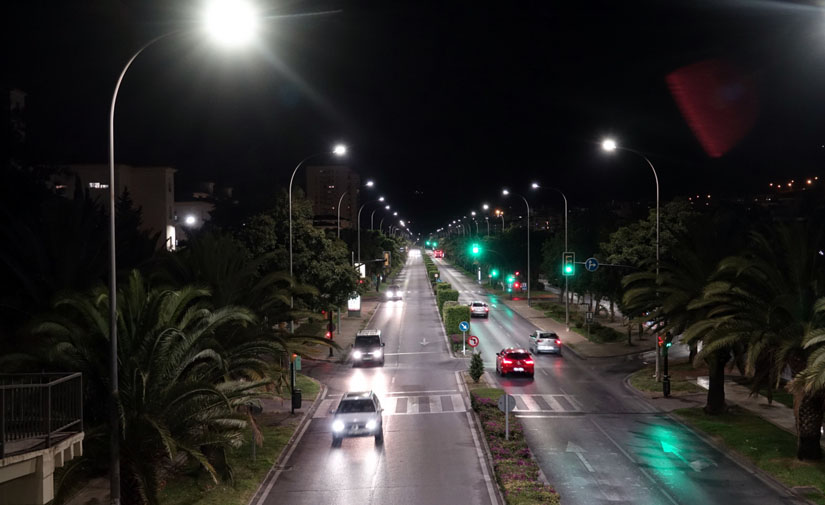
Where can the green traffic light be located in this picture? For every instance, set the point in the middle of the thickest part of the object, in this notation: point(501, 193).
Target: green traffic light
point(428, 242)
point(568, 269)
point(435, 244)
point(494, 272)
point(475, 249)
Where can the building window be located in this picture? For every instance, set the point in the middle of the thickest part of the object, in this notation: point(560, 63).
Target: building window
point(98, 185)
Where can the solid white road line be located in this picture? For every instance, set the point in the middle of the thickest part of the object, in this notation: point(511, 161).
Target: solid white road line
point(482, 460)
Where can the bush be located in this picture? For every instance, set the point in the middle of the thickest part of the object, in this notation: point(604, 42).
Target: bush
point(443, 295)
point(454, 314)
point(476, 367)
point(444, 285)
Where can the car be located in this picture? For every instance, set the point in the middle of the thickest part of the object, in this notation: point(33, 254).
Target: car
point(514, 360)
point(358, 415)
point(368, 348)
point(544, 341)
point(393, 292)
point(479, 309)
point(438, 253)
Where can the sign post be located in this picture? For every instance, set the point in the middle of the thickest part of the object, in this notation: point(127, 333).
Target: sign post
point(506, 404)
point(463, 326)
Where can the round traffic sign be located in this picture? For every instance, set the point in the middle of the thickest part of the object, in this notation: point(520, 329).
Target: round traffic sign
point(591, 264)
point(472, 341)
point(463, 326)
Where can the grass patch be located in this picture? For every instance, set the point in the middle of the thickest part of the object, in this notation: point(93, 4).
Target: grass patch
point(309, 388)
point(680, 381)
point(768, 447)
point(779, 395)
point(197, 488)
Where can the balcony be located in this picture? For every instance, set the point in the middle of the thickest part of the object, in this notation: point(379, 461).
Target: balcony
point(41, 428)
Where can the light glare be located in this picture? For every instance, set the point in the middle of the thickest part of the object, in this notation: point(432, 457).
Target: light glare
point(233, 23)
point(609, 145)
point(339, 150)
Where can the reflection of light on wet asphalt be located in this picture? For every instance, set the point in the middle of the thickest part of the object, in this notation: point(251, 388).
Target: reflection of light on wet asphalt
point(369, 379)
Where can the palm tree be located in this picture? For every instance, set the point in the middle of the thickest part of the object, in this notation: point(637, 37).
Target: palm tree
point(768, 300)
point(180, 386)
point(683, 276)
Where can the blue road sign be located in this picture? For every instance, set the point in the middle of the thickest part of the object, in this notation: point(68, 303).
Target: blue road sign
point(591, 264)
point(463, 326)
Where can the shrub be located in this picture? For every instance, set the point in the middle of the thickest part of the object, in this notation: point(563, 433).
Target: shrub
point(454, 314)
point(476, 367)
point(444, 285)
point(443, 295)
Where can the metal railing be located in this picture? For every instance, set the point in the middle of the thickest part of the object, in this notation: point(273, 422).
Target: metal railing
point(38, 410)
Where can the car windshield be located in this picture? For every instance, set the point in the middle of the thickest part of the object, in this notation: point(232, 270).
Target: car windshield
point(478, 304)
point(517, 355)
point(367, 341)
point(349, 406)
point(394, 287)
point(547, 335)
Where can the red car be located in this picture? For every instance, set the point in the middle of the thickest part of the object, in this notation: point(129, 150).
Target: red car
point(438, 253)
point(514, 360)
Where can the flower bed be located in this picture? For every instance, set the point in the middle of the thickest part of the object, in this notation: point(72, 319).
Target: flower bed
point(516, 471)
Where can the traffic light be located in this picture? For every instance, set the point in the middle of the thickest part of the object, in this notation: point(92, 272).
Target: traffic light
point(435, 244)
point(517, 285)
point(516, 274)
point(494, 272)
point(668, 339)
point(568, 263)
point(428, 243)
point(660, 340)
point(475, 249)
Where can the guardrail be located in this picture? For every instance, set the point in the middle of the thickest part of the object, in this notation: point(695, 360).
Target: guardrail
point(38, 410)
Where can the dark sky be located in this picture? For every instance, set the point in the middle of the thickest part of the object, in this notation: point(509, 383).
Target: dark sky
point(443, 102)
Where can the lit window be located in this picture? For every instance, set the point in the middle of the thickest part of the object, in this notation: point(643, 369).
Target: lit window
point(95, 185)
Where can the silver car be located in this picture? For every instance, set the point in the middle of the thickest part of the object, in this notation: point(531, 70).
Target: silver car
point(358, 415)
point(479, 309)
point(544, 341)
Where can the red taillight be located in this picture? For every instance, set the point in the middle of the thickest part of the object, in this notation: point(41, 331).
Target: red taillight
point(486, 309)
point(507, 361)
point(528, 362)
point(558, 342)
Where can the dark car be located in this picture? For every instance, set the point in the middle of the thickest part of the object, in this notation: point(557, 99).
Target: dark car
point(393, 292)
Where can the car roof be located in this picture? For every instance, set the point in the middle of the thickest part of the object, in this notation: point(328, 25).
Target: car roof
point(357, 395)
point(368, 333)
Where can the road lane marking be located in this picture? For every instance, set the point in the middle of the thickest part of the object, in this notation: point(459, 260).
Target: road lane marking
point(323, 409)
point(482, 459)
point(407, 353)
point(577, 450)
point(421, 392)
point(530, 403)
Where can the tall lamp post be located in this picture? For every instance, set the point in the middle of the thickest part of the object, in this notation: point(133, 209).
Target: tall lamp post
point(566, 278)
point(500, 213)
point(338, 150)
point(372, 217)
point(368, 184)
point(506, 192)
point(487, 218)
point(232, 25)
point(380, 199)
point(610, 145)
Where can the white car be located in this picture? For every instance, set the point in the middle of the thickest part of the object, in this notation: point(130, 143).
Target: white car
point(544, 341)
point(479, 309)
point(358, 415)
point(394, 292)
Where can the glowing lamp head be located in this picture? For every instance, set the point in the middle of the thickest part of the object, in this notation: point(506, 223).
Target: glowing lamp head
point(380, 198)
point(190, 220)
point(609, 145)
point(339, 150)
point(233, 23)
point(535, 185)
point(505, 192)
point(369, 184)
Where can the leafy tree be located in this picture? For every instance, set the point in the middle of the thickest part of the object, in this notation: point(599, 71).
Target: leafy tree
point(476, 367)
point(180, 387)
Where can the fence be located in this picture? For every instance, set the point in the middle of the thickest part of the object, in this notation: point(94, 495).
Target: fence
point(38, 410)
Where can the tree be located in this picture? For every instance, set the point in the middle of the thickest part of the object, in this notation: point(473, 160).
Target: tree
point(180, 387)
point(767, 299)
point(476, 367)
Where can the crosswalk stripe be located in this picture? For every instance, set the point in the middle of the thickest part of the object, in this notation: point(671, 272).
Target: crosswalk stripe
point(408, 405)
point(546, 403)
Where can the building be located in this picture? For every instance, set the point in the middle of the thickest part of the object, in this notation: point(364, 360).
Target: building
point(152, 189)
point(194, 208)
point(326, 186)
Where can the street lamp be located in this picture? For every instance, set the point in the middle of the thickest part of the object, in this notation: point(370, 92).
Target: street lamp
point(337, 150)
point(372, 217)
point(233, 27)
point(380, 199)
point(566, 277)
point(610, 145)
point(500, 213)
point(368, 184)
point(506, 192)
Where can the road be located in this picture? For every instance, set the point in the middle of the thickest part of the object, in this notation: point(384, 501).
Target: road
point(430, 454)
point(595, 440)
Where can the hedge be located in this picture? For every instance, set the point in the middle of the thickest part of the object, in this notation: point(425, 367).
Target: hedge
point(444, 295)
point(454, 313)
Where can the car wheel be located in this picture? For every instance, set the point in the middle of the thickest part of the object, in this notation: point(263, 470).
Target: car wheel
point(498, 372)
point(379, 437)
point(531, 375)
point(336, 441)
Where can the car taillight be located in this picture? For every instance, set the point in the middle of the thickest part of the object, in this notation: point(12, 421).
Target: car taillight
point(528, 362)
point(558, 342)
point(486, 309)
point(507, 361)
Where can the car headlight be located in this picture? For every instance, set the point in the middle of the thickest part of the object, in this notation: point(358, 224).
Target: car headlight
point(390, 294)
point(371, 424)
point(377, 354)
point(337, 426)
point(356, 355)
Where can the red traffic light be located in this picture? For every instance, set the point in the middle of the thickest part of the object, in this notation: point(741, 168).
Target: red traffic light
point(328, 335)
point(660, 340)
point(516, 274)
point(516, 284)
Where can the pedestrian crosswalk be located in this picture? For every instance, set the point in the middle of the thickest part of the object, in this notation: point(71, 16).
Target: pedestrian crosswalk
point(450, 403)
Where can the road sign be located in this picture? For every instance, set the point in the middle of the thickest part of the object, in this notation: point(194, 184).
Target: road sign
point(511, 403)
point(463, 326)
point(472, 341)
point(591, 264)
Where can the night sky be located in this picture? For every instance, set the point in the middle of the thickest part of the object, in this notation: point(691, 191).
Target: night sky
point(443, 103)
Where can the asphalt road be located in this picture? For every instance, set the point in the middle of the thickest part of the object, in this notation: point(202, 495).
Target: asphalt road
point(595, 440)
point(430, 454)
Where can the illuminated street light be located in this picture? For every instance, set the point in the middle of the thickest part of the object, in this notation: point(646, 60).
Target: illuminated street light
point(368, 184)
point(609, 145)
point(190, 220)
point(230, 22)
point(529, 280)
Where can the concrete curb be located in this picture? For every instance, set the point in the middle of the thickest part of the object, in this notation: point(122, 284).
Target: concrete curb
point(272, 475)
point(737, 459)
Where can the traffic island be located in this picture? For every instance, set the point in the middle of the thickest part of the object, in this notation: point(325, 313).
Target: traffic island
point(517, 473)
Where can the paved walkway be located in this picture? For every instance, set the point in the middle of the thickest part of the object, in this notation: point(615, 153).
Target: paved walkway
point(345, 334)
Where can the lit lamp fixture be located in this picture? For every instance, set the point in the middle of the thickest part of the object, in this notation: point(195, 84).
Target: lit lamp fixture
point(190, 220)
